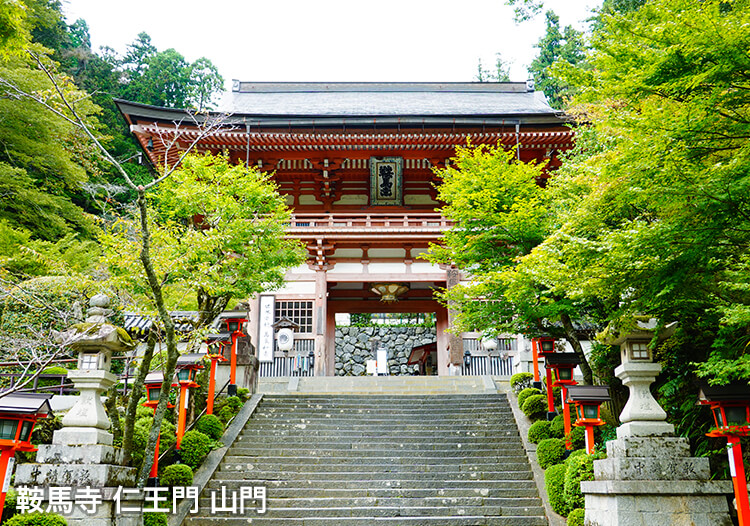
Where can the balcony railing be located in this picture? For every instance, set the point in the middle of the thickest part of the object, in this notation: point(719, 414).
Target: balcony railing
point(294, 363)
point(496, 363)
point(421, 220)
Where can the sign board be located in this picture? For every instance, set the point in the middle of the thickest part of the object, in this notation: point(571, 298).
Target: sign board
point(9, 472)
point(382, 355)
point(371, 367)
point(265, 328)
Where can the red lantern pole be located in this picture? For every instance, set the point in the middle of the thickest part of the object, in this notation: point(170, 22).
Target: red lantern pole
point(566, 417)
point(233, 365)
point(182, 418)
point(737, 470)
point(535, 357)
point(211, 385)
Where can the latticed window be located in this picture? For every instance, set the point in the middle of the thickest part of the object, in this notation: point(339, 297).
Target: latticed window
point(300, 312)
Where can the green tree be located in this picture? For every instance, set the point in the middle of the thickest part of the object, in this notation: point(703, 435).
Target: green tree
point(557, 45)
point(500, 74)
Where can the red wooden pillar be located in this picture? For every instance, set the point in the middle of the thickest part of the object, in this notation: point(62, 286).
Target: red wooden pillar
point(737, 470)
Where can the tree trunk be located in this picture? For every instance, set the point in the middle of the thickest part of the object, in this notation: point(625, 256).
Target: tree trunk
point(210, 306)
point(114, 417)
point(570, 335)
point(129, 428)
point(168, 324)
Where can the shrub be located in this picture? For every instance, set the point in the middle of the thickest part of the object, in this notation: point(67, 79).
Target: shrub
point(143, 412)
point(554, 484)
point(575, 517)
point(155, 519)
point(36, 519)
point(521, 381)
point(579, 468)
point(523, 395)
point(10, 504)
point(574, 455)
point(550, 451)
point(176, 475)
point(243, 393)
point(557, 427)
point(577, 437)
point(194, 448)
point(210, 425)
point(140, 438)
point(235, 403)
point(225, 414)
point(534, 406)
point(539, 431)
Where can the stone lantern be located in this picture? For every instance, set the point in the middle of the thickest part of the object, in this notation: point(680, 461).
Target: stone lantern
point(648, 476)
point(216, 343)
point(81, 454)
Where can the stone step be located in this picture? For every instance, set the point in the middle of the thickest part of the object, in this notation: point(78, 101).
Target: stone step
point(399, 465)
point(365, 450)
point(387, 484)
point(406, 476)
point(511, 490)
point(258, 520)
point(449, 457)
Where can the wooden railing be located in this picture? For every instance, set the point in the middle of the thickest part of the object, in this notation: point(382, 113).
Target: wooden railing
point(496, 363)
point(295, 363)
point(431, 220)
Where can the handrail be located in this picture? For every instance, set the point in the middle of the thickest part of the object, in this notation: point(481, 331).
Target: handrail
point(369, 220)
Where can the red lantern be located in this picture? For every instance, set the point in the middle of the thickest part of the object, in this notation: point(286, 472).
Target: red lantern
point(562, 365)
point(216, 344)
point(153, 383)
point(235, 321)
point(587, 400)
point(730, 406)
point(18, 415)
point(187, 368)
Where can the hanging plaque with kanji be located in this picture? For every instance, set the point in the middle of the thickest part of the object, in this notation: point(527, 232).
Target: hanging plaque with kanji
point(386, 181)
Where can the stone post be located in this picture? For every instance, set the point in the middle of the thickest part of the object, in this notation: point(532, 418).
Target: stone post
point(648, 477)
point(81, 455)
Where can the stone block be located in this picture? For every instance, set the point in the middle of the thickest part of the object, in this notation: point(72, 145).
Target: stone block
point(72, 436)
point(65, 454)
point(75, 475)
point(643, 468)
point(668, 447)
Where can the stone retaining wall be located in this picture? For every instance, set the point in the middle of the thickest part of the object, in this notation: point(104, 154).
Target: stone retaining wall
point(354, 347)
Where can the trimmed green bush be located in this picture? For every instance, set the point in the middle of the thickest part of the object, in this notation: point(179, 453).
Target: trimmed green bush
point(575, 517)
point(534, 406)
point(225, 414)
point(36, 519)
point(194, 448)
point(155, 519)
point(523, 395)
point(579, 468)
point(210, 425)
point(521, 381)
point(243, 393)
point(176, 475)
point(235, 403)
point(140, 438)
point(557, 427)
point(574, 455)
point(554, 484)
point(143, 412)
point(550, 451)
point(577, 437)
point(539, 431)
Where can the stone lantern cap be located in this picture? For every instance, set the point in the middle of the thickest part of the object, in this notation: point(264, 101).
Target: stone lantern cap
point(563, 358)
point(154, 378)
point(588, 393)
point(218, 337)
point(96, 333)
point(737, 391)
point(26, 403)
point(637, 328)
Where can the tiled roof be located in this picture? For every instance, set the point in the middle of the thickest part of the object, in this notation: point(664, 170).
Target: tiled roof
point(138, 325)
point(385, 99)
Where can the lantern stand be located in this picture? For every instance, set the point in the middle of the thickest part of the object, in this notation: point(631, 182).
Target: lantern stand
point(234, 321)
point(153, 383)
point(563, 365)
point(18, 415)
point(587, 400)
point(730, 406)
point(187, 367)
point(216, 344)
point(545, 346)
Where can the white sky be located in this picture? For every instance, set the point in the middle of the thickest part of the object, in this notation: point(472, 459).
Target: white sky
point(329, 40)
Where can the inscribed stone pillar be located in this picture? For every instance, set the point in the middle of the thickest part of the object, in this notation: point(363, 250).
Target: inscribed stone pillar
point(455, 342)
point(321, 314)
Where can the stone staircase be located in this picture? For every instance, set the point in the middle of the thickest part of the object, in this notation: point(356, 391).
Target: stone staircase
point(344, 460)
